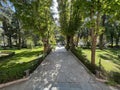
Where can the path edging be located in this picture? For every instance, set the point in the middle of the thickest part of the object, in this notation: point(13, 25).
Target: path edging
point(13, 82)
point(83, 65)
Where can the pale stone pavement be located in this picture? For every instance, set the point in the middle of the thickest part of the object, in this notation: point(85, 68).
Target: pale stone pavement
point(60, 71)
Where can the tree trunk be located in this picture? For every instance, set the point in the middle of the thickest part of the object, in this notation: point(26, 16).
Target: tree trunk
point(101, 42)
point(93, 49)
point(101, 36)
point(19, 39)
point(94, 34)
point(10, 41)
point(111, 40)
point(72, 46)
point(3, 40)
point(68, 42)
point(77, 42)
point(93, 43)
point(46, 46)
point(117, 41)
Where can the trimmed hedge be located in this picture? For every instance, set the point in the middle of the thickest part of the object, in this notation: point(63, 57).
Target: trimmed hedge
point(114, 76)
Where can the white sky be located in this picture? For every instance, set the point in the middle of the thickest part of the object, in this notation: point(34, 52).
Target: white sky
point(54, 9)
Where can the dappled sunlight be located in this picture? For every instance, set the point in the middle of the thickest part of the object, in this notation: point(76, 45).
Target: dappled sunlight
point(60, 49)
point(109, 58)
point(51, 40)
point(14, 67)
point(60, 71)
point(45, 75)
point(21, 57)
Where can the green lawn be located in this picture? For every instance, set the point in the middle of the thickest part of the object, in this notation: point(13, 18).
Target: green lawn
point(13, 68)
point(109, 58)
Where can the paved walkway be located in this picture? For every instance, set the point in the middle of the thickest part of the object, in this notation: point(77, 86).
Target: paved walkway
point(60, 71)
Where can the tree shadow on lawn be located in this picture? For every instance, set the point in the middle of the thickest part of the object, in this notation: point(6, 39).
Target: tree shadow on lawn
point(28, 53)
point(110, 57)
point(18, 70)
point(24, 54)
point(112, 51)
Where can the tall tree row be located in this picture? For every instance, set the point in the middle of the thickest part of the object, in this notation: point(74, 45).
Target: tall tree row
point(35, 16)
point(70, 19)
point(90, 14)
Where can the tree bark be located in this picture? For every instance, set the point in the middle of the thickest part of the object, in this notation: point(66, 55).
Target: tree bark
point(45, 45)
point(10, 41)
point(93, 44)
point(68, 42)
point(117, 41)
point(101, 43)
point(3, 36)
point(78, 37)
point(93, 49)
point(111, 40)
point(94, 34)
point(19, 39)
point(72, 46)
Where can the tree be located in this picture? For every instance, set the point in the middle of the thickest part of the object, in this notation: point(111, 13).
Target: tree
point(70, 19)
point(35, 16)
point(73, 11)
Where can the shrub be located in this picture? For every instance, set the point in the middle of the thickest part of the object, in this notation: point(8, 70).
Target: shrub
point(114, 76)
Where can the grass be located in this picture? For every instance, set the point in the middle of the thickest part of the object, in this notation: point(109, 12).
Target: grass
point(110, 61)
point(13, 67)
point(109, 58)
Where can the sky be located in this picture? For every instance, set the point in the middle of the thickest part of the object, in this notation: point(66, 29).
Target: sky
point(8, 4)
point(54, 9)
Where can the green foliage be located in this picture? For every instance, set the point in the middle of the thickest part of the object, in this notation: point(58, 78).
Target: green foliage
point(34, 15)
point(70, 16)
point(13, 68)
point(30, 43)
point(114, 77)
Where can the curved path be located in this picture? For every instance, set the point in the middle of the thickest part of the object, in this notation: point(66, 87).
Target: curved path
point(60, 71)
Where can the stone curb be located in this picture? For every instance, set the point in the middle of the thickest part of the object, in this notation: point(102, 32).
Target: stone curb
point(13, 82)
